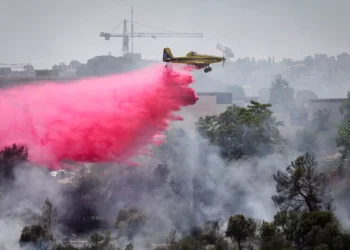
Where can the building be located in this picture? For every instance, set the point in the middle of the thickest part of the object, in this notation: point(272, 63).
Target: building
point(45, 72)
point(5, 71)
point(293, 121)
point(214, 103)
point(332, 104)
point(14, 70)
point(67, 72)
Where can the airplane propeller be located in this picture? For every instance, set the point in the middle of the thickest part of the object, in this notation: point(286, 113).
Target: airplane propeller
point(223, 61)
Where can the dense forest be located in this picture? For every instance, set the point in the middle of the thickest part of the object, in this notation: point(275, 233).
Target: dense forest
point(211, 190)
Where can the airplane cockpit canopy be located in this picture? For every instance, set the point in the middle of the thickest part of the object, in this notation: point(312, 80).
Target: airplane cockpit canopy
point(192, 53)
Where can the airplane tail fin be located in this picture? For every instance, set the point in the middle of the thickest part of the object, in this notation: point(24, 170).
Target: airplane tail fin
point(167, 55)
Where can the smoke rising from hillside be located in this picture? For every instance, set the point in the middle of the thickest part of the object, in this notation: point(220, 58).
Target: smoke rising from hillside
point(191, 194)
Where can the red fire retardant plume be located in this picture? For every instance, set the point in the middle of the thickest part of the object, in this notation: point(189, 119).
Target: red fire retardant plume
point(99, 119)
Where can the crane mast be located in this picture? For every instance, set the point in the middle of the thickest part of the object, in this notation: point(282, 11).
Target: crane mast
point(126, 35)
point(132, 29)
point(125, 38)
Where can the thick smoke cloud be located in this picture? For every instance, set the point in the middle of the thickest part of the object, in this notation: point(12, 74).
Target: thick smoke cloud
point(200, 187)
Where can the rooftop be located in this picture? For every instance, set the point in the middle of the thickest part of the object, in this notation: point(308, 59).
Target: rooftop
point(328, 100)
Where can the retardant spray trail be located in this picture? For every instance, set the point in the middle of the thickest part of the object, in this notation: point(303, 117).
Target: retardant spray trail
point(99, 119)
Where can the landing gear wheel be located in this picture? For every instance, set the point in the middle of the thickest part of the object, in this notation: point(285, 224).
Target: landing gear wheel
point(208, 69)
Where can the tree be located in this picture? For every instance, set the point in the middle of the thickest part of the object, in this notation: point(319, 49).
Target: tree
point(280, 92)
point(75, 64)
point(322, 121)
point(318, 135)
point(159, 175)
point(101, 242)
point(271, 238)
point(61, 66)
point(129, 246)
point(97, 241)
point(309, 61)
point(303, 230)
point(241, 132)
point(130, 221)
point(10, 157)
point(49, 215)
point(311, 230)
point(81, 214)
point(239, 229)
point(65, 247)
point(303, 96)
point(172, 147)
point(305, 141)
point(345, 107)
point(211, 232)
point(187, 243)
point(343, 139)
point(301, 187)
point(40, 234)
point(35, 235)
point(343, 62)
point(172, 237)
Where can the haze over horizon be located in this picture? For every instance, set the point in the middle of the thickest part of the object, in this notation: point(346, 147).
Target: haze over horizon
point(45, 33)
point(121, 154)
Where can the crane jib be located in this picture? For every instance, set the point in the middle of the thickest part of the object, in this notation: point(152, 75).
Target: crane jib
point(144, 34)
point(125, 34)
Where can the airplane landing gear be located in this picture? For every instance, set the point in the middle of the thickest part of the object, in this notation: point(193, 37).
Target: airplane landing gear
point(208, 69)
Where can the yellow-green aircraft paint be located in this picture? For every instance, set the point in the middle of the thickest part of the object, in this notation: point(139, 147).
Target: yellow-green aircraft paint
point(199, 61)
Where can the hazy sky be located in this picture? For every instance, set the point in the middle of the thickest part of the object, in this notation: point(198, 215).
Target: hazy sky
point(45, 32)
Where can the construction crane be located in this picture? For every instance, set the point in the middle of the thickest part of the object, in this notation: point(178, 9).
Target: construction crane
point(125, 35)
point(226, 51)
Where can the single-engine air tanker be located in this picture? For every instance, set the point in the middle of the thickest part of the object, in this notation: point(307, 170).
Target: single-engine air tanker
point(192, 58)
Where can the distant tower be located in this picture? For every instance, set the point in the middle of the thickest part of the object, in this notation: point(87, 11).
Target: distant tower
point(125, 39)
point(132, 29)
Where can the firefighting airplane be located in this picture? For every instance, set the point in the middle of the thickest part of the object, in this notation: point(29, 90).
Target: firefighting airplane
point(193, 59)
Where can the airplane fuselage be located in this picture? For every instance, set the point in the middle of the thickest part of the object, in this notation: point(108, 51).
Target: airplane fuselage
point(192, 58)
